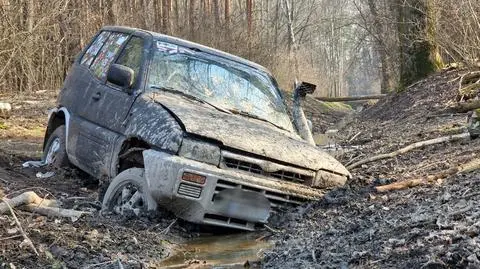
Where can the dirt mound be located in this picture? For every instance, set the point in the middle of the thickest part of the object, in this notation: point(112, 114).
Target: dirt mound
point(429, 226)
point(100, 241)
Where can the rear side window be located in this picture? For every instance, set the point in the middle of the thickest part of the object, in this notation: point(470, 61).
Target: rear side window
point(92, 51)
point(107, 54)
point(131, 56)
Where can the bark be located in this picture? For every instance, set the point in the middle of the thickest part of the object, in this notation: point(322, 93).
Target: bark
point(227, 14)
point(417, 49)
point(465, 107)
point(464, 168)
point(55, 211)
point(25, 198)
point(249, 16)
point(191, 18)
point(291, 35)
point(31, 202)
point(166, 5)
point(386, 85)
point(216, 12)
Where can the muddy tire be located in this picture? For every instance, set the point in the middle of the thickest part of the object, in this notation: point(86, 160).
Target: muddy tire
point(128, 193)
point(55, 151)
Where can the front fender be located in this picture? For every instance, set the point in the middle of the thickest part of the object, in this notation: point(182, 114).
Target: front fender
point(152, 123)
point(54, 117)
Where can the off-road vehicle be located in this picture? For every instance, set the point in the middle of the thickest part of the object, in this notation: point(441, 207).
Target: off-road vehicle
point(197, 131)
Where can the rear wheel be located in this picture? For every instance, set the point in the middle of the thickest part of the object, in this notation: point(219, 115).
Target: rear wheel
point(128, 194)
point(55, 151)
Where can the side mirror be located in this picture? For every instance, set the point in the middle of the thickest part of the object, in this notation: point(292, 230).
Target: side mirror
point(121, 76)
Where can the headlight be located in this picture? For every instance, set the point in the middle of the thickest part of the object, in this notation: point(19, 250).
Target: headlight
point(200, 151)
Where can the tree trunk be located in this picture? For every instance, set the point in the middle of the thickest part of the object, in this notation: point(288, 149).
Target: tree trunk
point(249, 17)
point(166, 4)
point(191, 18)
point(227, 14)
point(416, 49)
point(386, 84)
point(291, 35)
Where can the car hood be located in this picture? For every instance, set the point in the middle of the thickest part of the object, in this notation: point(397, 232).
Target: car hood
point(246, 134)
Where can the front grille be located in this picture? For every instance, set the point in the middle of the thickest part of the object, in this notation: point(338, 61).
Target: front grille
point(189, 190)
point(256, 169)
point(277, 199)
point(241, 165)
point(289, 176)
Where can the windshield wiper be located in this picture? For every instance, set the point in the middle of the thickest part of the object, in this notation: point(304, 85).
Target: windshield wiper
point(190, 96)
point(251, 115)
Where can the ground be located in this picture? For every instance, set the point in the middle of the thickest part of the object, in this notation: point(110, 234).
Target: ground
point(96, 241)
point(429, 226)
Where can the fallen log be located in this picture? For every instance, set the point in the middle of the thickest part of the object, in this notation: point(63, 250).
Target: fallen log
point(26, 198)
point(30, 201)
point(465, 106)
point(351, 98)
point(410, 147)
point(54, 211)
point(400, 185)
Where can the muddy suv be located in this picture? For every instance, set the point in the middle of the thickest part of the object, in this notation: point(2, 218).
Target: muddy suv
point(197, 131)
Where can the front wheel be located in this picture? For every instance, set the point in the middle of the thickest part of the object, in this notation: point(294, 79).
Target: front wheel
point(128, 193)
point(55, 151)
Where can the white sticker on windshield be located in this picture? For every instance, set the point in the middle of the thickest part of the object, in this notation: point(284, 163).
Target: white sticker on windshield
point(167, 47)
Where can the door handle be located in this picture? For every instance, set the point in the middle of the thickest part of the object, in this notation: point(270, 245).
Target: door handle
point(97, 96)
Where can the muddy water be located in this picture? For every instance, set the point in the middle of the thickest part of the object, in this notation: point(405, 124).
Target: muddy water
point(219, 251)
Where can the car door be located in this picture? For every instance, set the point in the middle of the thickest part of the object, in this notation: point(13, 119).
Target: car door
point(105, 106)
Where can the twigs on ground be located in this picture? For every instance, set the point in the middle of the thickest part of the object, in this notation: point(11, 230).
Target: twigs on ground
point(271, 229)
point(167, 230)
point(19, 225)
point(353, 137)
point(410, 147)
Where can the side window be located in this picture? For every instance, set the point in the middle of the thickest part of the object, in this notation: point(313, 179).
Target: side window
point(131, 56)
point(92, 51)
point(107, 54)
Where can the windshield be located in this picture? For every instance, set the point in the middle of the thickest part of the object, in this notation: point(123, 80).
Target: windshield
point(224, 84)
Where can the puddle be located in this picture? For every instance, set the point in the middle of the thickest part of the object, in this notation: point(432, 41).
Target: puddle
point(219, 251)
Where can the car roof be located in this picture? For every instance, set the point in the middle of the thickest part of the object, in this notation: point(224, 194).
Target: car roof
point(187, 44)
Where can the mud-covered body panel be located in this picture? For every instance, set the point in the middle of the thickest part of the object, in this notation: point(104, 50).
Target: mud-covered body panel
point(246, 134)
point(155, 125)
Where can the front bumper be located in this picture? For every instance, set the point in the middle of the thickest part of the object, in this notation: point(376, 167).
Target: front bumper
point(201, 203)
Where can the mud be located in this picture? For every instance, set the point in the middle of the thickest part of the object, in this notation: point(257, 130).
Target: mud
point(429, 226)
point(237, 250)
